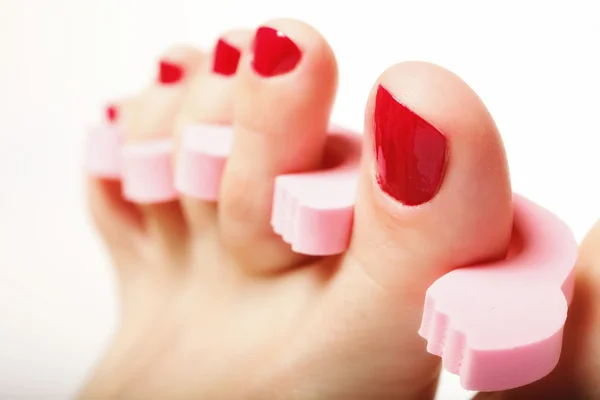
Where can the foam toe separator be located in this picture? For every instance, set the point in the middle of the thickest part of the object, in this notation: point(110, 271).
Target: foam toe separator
point(202, 157)
point(147, 172)
point(500, 325)
point(103, 151)
point(313, 211)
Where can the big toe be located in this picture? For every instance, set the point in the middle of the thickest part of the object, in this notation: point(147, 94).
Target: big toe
point(434, 190)
point(434, 195)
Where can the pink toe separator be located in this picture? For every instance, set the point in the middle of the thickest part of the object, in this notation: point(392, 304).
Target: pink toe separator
point(202, 157)
point(103, 151)
point(312, 211)
point(147, 171)
point(500, 325)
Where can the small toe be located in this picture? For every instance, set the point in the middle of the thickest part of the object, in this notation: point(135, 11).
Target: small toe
point(147, 173)
point(119, 221)
point(208, 107)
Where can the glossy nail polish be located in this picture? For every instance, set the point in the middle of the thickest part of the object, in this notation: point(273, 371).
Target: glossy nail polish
point(274, 52)
point(111, 113)
point(169, 72)
point(410, 152)
point(226, 58)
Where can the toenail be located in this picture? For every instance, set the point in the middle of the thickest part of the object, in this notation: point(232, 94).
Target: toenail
point(169, 73)
point(111, 113)
point(274, 52)
point(410, 152)
point(226, 58)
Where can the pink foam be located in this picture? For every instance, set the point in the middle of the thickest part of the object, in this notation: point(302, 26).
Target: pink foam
point(103, 151)
point(500, 325)
point(313, 211)
point(204, 150)
point(147, 171)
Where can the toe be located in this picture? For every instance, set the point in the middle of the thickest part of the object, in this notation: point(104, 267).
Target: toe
point(284, 95)
point(147, 171)
point(434, 188)
point(434, 194)
point(210, 96)
point(153, 113)
point(208, 104)
point(118, 220)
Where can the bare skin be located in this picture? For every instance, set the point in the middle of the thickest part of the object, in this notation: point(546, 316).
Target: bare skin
point(216, 306)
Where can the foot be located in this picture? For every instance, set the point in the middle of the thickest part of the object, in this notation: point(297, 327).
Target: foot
point(215, 305)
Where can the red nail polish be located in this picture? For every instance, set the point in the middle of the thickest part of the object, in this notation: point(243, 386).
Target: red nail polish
point(274, 52)
point(111, 114)
point(226, 58)
point(410, 153)
point(169, 73)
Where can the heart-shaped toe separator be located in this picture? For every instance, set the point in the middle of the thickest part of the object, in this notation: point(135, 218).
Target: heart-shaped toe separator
point(312, 211)
point(103, 151)
point(147, 171)
point(500, 325)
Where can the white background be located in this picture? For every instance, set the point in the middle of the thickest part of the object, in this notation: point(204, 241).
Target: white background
point(535, 66)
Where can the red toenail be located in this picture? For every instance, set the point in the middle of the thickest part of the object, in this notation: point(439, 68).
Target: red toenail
point(226, 58)
point(111, 113)
point(410, 152)
point(274, 52)
point(169, 73)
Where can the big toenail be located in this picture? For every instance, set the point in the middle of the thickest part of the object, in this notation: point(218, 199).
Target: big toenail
point(410, 152)
point(111, 113)
point(169, 72)
point(274, 52)
point(226, 58)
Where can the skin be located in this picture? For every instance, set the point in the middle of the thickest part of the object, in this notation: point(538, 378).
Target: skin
point(215, 305)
